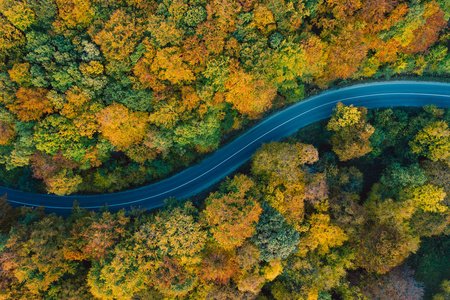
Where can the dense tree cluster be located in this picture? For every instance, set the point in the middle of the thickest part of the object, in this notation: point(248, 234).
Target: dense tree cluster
point(103, 95)
point(301, 224)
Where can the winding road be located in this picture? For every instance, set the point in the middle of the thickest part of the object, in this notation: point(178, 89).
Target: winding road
point(227, 159)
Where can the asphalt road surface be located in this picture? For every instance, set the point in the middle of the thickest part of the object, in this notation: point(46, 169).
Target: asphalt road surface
point(227, 159)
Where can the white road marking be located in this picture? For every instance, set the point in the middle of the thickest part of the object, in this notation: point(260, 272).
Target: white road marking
point(237, 152)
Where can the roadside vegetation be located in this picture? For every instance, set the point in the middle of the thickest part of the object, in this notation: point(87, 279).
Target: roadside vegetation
point(335, 211)
point(98, 96)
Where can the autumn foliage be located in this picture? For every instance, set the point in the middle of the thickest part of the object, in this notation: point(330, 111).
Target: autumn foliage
point(121, 126)
point(297, 225)
point(31, 105)
point(179, 77)
point(105, 95)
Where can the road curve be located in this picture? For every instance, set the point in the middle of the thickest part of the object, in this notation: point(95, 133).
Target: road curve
point(227, 159)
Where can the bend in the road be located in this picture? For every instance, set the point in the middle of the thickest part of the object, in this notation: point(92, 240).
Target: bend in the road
point(227, 159)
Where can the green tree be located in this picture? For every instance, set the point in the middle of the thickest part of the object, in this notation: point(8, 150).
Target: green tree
point(19, 153)
point(59, 134)
point(312, 276)
point(444, 294)
point(204, 133)
point(396, 177)
point(195, 16)
point(45, 11)
point(293, 62)
point(274, 238)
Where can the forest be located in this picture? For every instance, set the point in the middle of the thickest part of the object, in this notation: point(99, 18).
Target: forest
point(98, 96)
point(336, 211)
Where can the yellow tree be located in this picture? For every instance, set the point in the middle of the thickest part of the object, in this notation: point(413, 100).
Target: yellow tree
point(428, 198)
point(64, 182)
point(76, 14)
point(232, 216)
point(20, 73)
point(118, 276)
point(248, 94)
point(77, 102)
point(351, 132)
point(11, 42)
point(170, 245)
point(168, 65)
point(34, 255)
point(286, 184)
point(322, 235)
point(119, 37)
point(433, 142)
point(18, 13)
point(281, 161)
point(121, 126)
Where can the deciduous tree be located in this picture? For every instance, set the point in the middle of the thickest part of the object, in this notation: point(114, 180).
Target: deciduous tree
point(119, 36)
point(428, 198)
point(31, 104)
point(218, 265)
point(248, 94)
point(93, 235)
point(18, 13)
point(232, 215)
point(381, 247)
point(34, 254)
point(433, 142)
point(351, 132)
point(118, 276)
point(399, 284)
point(121, 126)
point(75, 14)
